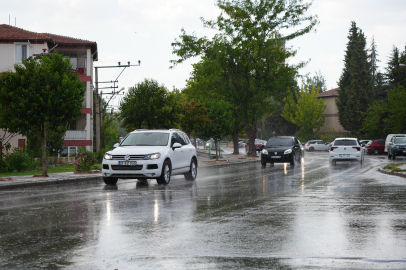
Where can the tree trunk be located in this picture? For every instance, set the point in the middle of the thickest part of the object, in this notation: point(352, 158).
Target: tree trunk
point(251, 133)
point(216, 145)
point(236, 136)
point(43, 146)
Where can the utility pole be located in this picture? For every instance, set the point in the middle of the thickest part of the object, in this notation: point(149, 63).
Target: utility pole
point(98, 113)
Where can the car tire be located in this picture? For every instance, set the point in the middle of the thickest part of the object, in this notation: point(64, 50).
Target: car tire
point(192, 174)
point(293, 159)
point(111, 181)
point(263, 163)
point(376, 151)
point(165, 177)
point(311, 149)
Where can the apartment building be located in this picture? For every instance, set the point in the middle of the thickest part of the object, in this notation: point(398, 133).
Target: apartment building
point(17, 44)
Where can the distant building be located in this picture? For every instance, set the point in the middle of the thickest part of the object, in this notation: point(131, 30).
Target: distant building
point(331, 113)
point(17, 44)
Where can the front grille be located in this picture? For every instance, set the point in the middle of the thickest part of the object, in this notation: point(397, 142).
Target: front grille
point(132, 157)
point(402, 146)
point(126, 168)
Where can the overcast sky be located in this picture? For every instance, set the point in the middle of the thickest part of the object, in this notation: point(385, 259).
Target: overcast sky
point(132, 30)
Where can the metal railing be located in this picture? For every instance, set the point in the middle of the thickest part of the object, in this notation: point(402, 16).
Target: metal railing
point(75, 134)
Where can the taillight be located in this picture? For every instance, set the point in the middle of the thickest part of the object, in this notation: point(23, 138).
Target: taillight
point(308, 144)
point(357, 147)
point(333, 147)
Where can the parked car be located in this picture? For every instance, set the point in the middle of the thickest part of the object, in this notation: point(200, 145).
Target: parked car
point(146, 154)
point(259, 145)
point(242, 142)
point(281, 149)
point(389, 138)
point(316, 145)
point(375, 147)
point(328, 146)
point(346, 149)
point(397, 146)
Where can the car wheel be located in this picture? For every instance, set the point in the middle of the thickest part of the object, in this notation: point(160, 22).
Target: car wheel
point(192, 174)
point(376, 151)
point(111, 181)
point(293, 160)
point(263, 163)
point(165, 177)
point(311, 149)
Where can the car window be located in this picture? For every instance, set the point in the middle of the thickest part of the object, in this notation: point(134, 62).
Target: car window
point(280, 142)
point(320, 142)
point(400, 139)
point(381, 142)
point(182, 139)
point(370, 142)
point(146, 139)
point(174, 139)
point(345, 142)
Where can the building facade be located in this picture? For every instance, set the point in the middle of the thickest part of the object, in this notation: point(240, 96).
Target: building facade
point(17, 44)
point(331, 112)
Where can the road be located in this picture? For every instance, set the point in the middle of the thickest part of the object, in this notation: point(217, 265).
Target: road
point(310, 216)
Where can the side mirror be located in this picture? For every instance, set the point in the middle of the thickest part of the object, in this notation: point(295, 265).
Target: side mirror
point(176, 145)
point(390, 143)
point(116, 145)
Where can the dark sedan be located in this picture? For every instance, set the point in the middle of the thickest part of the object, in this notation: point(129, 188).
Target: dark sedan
point(281, 149)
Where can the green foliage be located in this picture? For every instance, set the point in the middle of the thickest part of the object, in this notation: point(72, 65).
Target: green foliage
point(39, 95)
point(109, 131)
point(317, 81)
point(248, 53)
point(376, 125)
point(17, 160)
point(151, 106)
point(85, 161)
point(195, 116)
point(397, 109)
point(330, 136)
point(3, 165)
point(396, 74)
point(306, 112)
point(355, 95)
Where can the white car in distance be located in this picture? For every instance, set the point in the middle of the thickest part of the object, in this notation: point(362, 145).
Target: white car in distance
point(346, 149)
point(145, 154)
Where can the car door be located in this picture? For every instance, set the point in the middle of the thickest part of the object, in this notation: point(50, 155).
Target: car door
point(176, 154)
point(187, 148)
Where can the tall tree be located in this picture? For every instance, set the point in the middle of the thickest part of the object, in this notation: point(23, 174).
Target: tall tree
point(151, 106)
point(250, 51)
point(39, 95)
point(305, 111)
point(355, 95)
point(394, 72)
point(195, 116)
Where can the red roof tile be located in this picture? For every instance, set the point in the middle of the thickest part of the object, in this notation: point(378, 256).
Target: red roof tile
point(67, 40)
point(329, 93)
point(11, 33)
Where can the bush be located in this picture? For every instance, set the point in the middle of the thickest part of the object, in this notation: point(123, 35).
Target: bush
point(3, 165)
point(85, 162)
point(18, 160)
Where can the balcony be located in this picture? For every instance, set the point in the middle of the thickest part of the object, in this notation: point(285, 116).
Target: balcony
point(75, 135)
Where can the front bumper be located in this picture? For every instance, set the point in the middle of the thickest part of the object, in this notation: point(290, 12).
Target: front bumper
point(278, 158)
point(143, 169)
point(399, 152)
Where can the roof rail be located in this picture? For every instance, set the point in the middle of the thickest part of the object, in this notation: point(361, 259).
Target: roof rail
point(139, 129)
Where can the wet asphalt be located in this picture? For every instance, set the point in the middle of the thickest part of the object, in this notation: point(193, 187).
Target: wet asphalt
point(310, 216)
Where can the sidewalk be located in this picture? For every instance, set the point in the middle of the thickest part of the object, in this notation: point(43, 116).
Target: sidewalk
point(58, 178)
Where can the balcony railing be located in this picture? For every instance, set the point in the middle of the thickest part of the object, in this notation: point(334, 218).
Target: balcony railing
point(75, 135)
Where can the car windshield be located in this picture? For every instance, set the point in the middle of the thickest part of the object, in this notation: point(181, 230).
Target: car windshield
point(370, 142)
point(279, 142)
point(345, 142)
point(400, 140)
point(146, 139)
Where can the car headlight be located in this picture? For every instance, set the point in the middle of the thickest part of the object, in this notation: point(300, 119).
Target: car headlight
point(288, 151)
point(395, 146)
point(264, 151)
point(108, 156)
point(152, 156)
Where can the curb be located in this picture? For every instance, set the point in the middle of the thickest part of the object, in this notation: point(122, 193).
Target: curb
point(401, 174)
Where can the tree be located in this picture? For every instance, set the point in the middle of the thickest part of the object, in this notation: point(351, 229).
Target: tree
point(396, 74)
point(151, 106)
point(317, 81)
point(397, 109)
point(376, 121)
point(250, 52)
point(355, 95)
point(41, 94)
point(195, 116)
point(110, 133)
point(306, 112)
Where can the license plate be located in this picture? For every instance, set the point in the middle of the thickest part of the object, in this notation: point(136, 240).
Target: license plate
point(275, 156)
point(344, 155)
point(127, 163)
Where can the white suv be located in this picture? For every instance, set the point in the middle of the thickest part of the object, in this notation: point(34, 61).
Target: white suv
point(146, 154)
point(345, 149)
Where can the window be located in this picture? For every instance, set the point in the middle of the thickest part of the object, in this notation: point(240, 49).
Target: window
point(74, 62)
point(21, 52)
